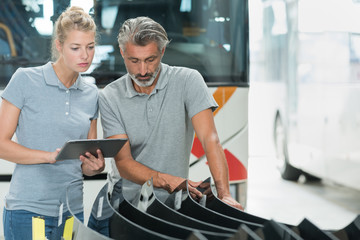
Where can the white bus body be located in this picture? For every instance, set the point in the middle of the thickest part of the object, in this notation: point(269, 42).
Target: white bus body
point(312, 50)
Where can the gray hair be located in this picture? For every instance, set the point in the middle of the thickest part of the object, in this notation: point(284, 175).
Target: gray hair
point(142, 31)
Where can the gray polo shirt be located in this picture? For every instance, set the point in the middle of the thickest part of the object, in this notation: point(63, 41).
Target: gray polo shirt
point(158, 125)
point(51, 114)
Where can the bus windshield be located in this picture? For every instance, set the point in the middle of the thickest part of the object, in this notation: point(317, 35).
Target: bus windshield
point(205, 35)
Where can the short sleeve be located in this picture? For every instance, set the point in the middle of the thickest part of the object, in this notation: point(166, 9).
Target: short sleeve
point(111, 123)
point(13, 92)
point(197, 96)
point(96, 113)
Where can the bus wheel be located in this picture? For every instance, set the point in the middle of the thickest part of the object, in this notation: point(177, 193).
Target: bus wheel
point(287, 171)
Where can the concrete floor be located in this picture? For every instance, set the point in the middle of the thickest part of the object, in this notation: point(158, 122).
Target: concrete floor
point(328, 206)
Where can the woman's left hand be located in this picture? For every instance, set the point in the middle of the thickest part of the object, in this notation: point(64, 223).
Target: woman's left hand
point(92, 165)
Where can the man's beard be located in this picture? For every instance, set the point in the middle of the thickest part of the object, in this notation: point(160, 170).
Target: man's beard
point(147, 82)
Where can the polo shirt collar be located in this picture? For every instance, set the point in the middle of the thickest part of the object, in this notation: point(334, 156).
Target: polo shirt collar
point(52, 79)
point(161, 83)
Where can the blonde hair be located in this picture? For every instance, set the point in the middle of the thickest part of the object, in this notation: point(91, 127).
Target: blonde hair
point(73, 18)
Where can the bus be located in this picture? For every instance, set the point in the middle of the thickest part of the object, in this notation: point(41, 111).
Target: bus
point(210, 36)
point(309, 51)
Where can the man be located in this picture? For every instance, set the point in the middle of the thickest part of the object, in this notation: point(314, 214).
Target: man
point(158, 107)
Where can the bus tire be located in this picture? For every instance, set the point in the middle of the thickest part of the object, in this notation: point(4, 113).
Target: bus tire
point(311, 178)
point(287, 171)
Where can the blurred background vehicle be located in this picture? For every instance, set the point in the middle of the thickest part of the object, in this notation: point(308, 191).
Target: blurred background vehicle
point(308, 52)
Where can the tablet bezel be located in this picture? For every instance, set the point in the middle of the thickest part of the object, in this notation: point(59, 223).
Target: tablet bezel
point(73, 149)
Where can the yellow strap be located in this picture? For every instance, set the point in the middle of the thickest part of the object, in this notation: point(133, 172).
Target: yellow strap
point(38, 228)
point(68, 229)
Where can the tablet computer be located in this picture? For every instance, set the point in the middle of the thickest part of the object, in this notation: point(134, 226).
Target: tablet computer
point(74, 148)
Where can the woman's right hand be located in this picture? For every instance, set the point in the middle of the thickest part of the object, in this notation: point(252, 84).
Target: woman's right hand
point(52, 157)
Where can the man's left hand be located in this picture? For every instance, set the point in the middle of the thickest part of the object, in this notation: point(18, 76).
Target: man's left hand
point(232, 202)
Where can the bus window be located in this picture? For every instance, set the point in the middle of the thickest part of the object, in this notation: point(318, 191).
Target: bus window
point(4, 48)
point(7, 50)
point(205, 35)
point(210, 36)
point(355, 48)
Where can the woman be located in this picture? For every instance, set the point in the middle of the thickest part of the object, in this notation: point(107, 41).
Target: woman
point(46, 106)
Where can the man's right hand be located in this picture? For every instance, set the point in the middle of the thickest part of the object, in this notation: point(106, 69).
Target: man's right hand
point(172, 184)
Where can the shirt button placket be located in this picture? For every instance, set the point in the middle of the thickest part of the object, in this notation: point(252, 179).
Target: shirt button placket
point(67, 103)
point(149, 110)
